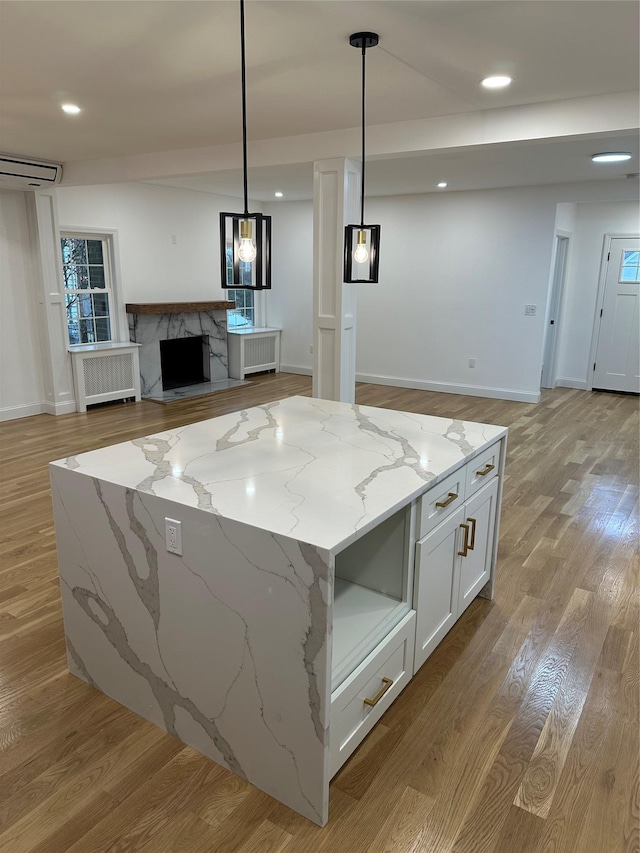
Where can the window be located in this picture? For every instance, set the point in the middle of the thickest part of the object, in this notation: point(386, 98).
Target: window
point(630, 270)
point(87, 288)
point(244, 314)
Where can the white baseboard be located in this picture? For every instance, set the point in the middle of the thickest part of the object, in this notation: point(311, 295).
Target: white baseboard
point(567, 382)
point(444, 387)
point(26, 410)
point(452, 388)
point(294, 368)
point(60, 408)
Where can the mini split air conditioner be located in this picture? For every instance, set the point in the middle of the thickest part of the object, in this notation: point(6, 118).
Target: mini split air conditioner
point(21, 173)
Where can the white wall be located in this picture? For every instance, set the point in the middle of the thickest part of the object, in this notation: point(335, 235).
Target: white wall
point(146, 216)
point(21, 375)
point(456, 271)
point(590, 224)
point(290, 303)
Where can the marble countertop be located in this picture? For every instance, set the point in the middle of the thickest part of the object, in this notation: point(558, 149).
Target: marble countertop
point(319, 471)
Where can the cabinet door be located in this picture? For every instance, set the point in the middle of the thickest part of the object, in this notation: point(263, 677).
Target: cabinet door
point(437, 577)
point(475, 566)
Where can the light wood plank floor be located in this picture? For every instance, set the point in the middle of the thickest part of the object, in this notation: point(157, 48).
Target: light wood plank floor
point(519, 734)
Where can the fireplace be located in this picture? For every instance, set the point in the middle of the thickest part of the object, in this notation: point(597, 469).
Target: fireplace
point(153, 325)
point(184, 361)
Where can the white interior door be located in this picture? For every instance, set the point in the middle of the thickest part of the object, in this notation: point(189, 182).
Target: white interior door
point(548, 379)
point(617, 363)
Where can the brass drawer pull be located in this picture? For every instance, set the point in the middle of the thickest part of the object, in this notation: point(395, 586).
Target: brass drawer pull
point(488, 467)
point(472, 544)
point(465, 547)
point(386, 684)
point(449, 500)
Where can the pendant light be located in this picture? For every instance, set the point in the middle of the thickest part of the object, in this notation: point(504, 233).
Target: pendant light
point(245, 238)
point(362, 242)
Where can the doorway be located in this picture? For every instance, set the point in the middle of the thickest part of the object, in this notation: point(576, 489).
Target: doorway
point(616, 365)
point(548, 378)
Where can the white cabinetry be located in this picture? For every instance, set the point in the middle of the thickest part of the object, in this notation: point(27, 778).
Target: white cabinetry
point(454, 560)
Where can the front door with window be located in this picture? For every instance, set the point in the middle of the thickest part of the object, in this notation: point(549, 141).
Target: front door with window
point(617, 363)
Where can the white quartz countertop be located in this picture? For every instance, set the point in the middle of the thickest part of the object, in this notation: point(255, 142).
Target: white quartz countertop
point(319, 471)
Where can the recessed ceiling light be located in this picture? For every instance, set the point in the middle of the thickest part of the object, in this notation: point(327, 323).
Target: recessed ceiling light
point(611, 157)
point(278, 194)
point(496, 81)
point(72, 109)
point(442, 184)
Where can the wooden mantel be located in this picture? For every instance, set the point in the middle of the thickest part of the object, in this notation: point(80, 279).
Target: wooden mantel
point(176, 307)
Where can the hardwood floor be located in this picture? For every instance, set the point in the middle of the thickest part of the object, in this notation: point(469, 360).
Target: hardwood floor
point(519, 734)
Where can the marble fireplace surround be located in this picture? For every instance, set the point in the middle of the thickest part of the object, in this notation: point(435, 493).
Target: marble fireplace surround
point(152, 322)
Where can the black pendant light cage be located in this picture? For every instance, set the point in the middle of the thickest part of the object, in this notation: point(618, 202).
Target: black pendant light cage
point(245, 238)
point(236, 273)
point(362, 242)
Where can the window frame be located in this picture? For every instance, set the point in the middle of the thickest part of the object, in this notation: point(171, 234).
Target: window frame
point(110, 254)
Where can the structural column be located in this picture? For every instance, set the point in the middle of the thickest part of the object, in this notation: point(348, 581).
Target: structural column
point(336, 190)
point(47, 268)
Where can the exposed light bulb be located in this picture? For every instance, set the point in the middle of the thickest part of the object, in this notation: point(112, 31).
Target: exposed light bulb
point(246, 251)
point(361, 254)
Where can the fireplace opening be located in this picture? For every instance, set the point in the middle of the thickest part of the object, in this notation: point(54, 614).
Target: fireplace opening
point(184, 361)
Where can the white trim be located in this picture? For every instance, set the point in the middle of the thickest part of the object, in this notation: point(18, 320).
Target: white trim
point(296, 368)
point(44, 407)
point(444, 387)
point(25, 410)
point(118, 315)
point(453, 388)
point(65, 408)
point(567, 382)
point(602, 279)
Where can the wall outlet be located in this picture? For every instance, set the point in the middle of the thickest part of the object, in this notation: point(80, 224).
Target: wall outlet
point(530, 310)
point(173, 535)
point(472, 362)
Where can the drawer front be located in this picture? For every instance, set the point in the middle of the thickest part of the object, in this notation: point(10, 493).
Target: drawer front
point(352, 718)
point(440, 501)
point(483, 468)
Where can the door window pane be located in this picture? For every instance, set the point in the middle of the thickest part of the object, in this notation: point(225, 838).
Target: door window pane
point(630, 270)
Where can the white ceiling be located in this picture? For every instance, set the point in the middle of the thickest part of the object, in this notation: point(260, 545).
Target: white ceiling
point(163, 75)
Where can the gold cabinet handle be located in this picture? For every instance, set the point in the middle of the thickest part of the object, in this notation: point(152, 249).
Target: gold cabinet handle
point(472, 544)
point(386, 684)
point(465, 547)
point(448, 500)
point(488, 467)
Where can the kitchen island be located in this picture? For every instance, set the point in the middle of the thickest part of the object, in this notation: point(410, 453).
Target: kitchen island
point(262, 585)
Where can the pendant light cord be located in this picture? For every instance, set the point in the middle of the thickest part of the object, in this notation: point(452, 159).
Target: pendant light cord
point(364, 51)
point(244, 109)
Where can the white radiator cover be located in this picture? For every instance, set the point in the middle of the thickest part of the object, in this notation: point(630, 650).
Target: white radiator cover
point(103, 372)
point(253, 350)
